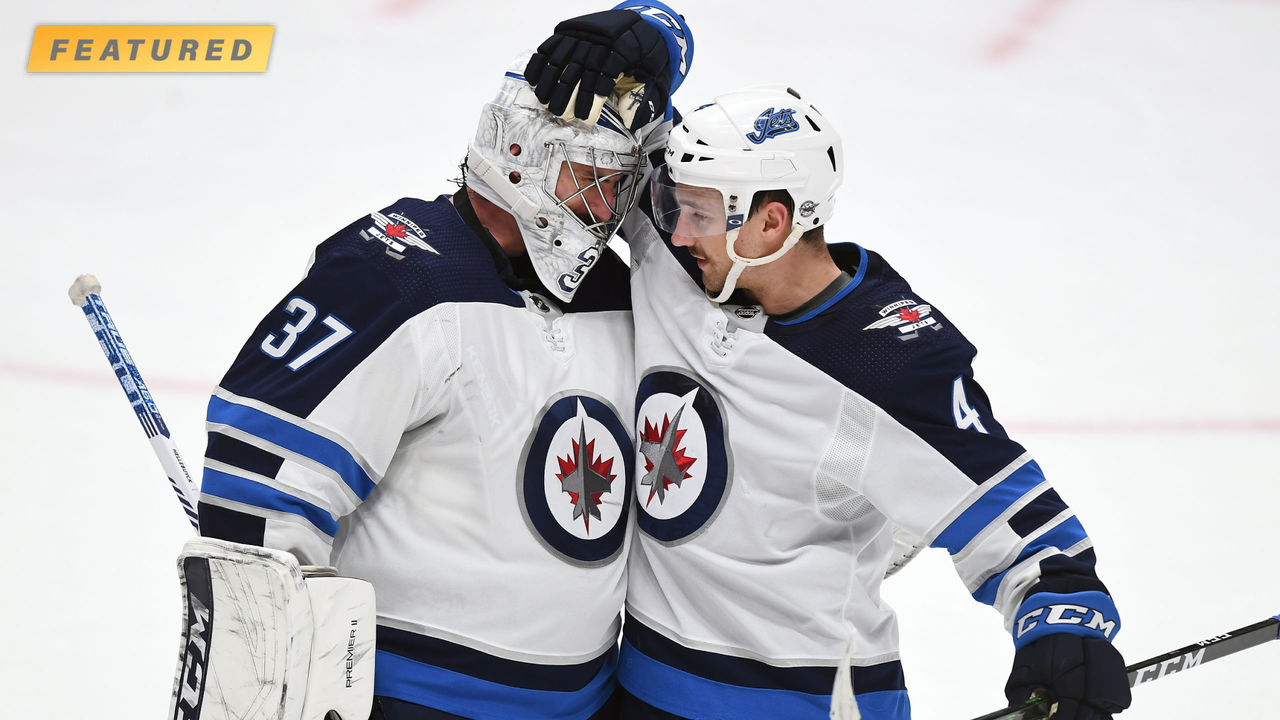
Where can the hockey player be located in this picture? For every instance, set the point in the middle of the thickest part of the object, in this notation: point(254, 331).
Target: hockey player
point(441, 407)
point(795, 400)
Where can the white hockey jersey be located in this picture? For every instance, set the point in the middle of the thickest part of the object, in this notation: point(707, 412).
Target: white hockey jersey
point(408, 416)
point(773, 457)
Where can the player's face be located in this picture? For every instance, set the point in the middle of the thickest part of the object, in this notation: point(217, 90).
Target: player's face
point(590, 200)
point(700, 228)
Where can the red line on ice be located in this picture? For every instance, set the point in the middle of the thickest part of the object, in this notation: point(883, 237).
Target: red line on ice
point(1145, 427)
point(104, 378)
point(400, 8)
point(179, 386)
point(1011, 41)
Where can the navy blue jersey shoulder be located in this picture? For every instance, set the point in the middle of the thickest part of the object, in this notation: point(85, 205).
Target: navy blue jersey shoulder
point(366, 281)
point(890, 346)
point(855, 339)
point(391, 247)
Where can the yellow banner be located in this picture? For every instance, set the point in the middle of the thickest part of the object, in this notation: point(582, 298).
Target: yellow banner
point(150, 48)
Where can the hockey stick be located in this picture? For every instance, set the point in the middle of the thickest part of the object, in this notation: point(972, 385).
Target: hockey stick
point(85, 294)
point(1167, 664)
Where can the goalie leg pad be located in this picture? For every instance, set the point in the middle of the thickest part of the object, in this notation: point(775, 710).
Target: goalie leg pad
point(264, 640)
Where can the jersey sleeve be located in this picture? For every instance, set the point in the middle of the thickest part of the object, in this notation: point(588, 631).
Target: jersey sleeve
point(305, 423)
point(942, 467)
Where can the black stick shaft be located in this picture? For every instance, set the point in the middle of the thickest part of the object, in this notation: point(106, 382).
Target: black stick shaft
point(1169, 663)
point(1203, 651)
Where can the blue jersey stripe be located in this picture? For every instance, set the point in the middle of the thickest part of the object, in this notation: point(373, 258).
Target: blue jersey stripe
point(987, 508)
point(238, 489)
point(291, 437)
point(885, 705)
point(1061, 537)
point(683, 693)
point(404, 679)
point(239, 454)
point(440, 653)
point(738, 671)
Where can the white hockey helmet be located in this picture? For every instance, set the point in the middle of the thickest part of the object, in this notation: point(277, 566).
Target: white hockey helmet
point(723, 153)
point(515, 163)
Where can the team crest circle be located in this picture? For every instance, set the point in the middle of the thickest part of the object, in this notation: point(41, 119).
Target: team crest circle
point(682, 460)
point(575, 479)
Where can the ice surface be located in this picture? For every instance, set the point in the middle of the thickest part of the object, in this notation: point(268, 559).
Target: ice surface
point(1088, 189)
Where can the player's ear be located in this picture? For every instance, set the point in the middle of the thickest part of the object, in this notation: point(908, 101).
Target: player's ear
point(777, 221)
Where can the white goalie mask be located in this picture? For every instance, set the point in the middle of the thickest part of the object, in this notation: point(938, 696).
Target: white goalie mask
point(516, 162)
point(723, 153)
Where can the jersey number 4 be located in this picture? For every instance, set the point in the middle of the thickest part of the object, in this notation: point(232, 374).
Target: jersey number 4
point(966, 417)
point(304, 313)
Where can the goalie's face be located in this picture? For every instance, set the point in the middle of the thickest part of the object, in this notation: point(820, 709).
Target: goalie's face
point(595, 182)
point(591, 194)
point(566, 184)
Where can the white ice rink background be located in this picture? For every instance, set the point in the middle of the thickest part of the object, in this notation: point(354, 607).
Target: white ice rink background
point(1090, 189)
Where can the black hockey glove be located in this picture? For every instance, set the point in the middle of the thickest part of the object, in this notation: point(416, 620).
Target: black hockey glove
point(1084, 675)
point(590, 54)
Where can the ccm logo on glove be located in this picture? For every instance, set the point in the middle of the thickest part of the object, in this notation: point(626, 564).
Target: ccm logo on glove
point(1088, 614)
point(1066, 615)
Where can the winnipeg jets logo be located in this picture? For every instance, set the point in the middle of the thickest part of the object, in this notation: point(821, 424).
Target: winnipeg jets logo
point(669, 449)
point(908, 316)
point(585, 477)
point(398, 233)
point(682, 459)
point(665, 462)
point(575, 479)
point(772, 124)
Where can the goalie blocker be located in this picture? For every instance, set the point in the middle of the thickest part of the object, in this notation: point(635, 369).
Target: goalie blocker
point(264, 638)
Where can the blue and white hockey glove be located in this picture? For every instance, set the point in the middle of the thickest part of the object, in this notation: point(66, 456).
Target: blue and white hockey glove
point(1064, 653)
point(590, 58)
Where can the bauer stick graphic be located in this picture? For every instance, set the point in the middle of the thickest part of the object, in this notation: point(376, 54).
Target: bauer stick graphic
point(85, 294)
point(1167, 664)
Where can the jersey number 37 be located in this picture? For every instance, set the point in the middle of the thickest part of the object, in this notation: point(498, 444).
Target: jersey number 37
point(304, 314)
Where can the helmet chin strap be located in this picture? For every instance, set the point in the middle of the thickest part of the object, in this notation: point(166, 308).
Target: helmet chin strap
point(742, 263)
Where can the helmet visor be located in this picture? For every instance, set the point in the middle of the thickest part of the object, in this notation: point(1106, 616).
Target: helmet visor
point(687, 210)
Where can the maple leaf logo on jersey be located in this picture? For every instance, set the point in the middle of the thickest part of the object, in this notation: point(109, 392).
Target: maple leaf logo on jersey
point(398, 233)
point(585, 477)
point(577, 475)
point(665, 462)
point(908, 316)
